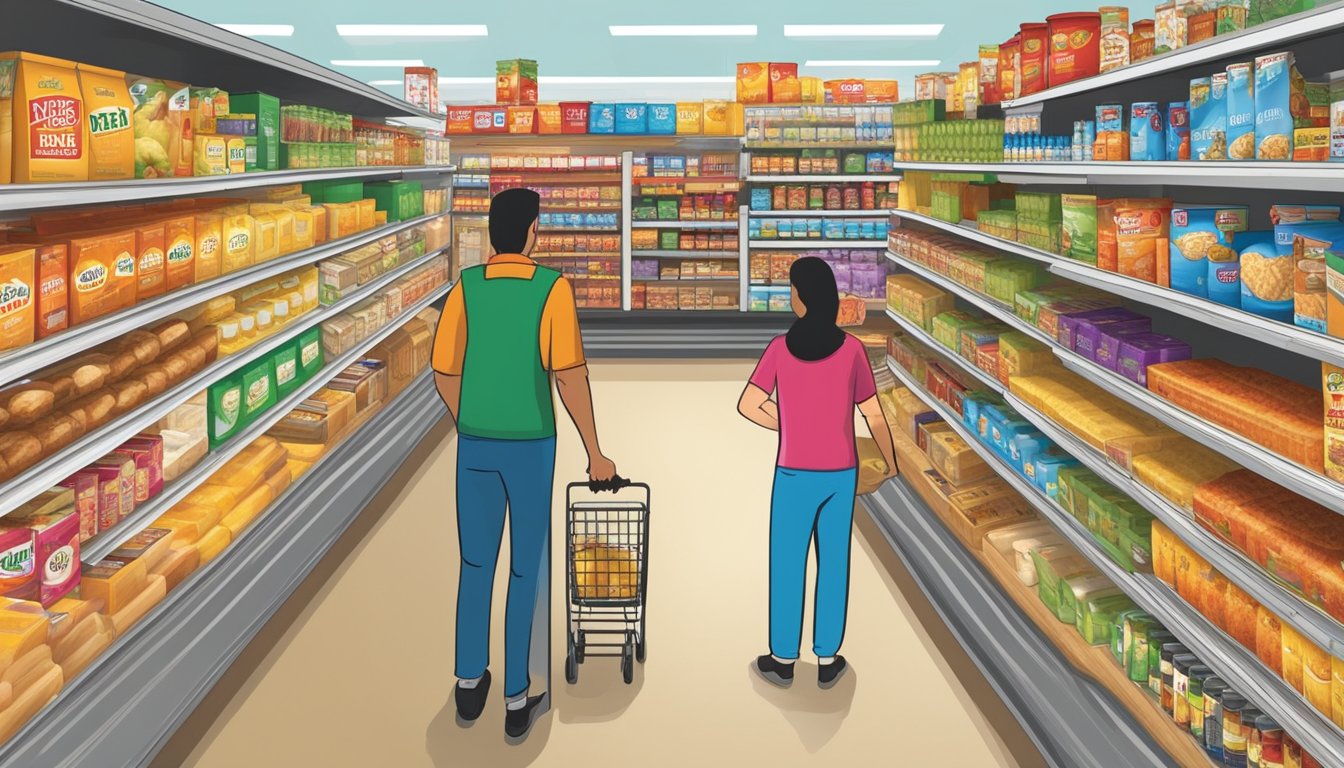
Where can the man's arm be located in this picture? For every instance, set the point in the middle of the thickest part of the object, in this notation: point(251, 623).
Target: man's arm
point(577, 396)
point(450, 390)
point(756, 406)
point(881, 431)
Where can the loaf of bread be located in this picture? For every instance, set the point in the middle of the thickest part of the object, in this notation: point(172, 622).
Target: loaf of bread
point(25, 403)
point(129, 394)
point(144, 345)
point(171, 334)
point(18, 452)
point(603, 571)
point(56, 432)
point(94, 410)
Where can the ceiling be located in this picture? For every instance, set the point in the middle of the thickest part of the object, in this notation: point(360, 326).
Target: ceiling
point(571, 39)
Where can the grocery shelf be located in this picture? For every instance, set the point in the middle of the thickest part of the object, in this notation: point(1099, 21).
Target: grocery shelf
point(1316, 346)
point(723, 225)
point(689, 253)
point(90, 448)
point(823, 178)
point(1263, 38)
point(1073, 721)
point(1302, 177)
point(1238, 666)
point(1316, 625)
point(752, 145)
point(593, 142)
point(797, 242)
point(49, 351)
point(138, 36)
point(579, 209)
point(821, 214)
point(145, 514)
point(29, 197)
point(1248, 454)
point(558, 230)
point(679, 333)
point(653, 181)
point(122, 709)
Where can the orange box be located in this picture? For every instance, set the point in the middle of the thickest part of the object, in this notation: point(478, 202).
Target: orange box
point(49, 139)
point(753, 83)
point(784, 85)
point(150, 245)
point(179, 236)
point(209, 251)
point(102, 273)
point(881, 91)
point(847, 91)
point(549, 119)
point(53, 289)
point(459, 120)
point(522, 119)
point(18, 275)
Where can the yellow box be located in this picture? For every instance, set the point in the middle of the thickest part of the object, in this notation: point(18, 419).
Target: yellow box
point(237, 154)
point(690, 117)
point(211, 155)
point(718, 117)
point(268, 237)
point(812, 89)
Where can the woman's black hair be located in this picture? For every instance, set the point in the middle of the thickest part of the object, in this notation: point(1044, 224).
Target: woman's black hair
point(815, 336)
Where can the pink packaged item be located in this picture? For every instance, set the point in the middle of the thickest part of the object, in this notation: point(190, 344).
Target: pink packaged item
point(56, 546)
point(85, 487)
point(147, 451)
point(18, 573)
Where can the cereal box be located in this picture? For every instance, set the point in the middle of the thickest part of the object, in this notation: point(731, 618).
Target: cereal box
point(1114, 36)
point(632, 118)
point(1147, 135)
point(1208, 117)
point(49, 141)
point(662, 119)
point(18, 300)
point(1332, 382)
point(516, 82)
point(1166, 36)
point(108, 136)
point(1278, 87)
point(574, 116)
point(1241, 111)
point(1200, 234)
point(602, 118)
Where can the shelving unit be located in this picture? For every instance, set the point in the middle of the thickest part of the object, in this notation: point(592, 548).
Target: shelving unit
point(1221, 653)
point(823, 178)
point(1316, 346)
point(801, 243)
point(1301, 177)
point(726, 225)
point(822, 214)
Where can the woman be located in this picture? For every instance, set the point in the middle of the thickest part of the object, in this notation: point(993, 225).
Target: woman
point(819, 373)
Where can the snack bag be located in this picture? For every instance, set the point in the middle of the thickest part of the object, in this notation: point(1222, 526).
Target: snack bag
point(1280, 94)
point(49, 143)
point(109, 136)
point(163, 130)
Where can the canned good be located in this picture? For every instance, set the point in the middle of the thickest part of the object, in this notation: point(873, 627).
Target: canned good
point(1266, 747)
point(1195, 698)
point(1214, 690)
point(1234, 732)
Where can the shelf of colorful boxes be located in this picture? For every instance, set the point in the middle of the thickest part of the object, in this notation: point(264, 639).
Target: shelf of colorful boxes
point(807, 125)
point(578, 192)
point(380, 145)
point(860, 272)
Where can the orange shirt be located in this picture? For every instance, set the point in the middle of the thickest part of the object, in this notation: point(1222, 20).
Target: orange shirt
point(561, 343)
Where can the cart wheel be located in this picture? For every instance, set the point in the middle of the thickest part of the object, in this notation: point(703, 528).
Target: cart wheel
point(639, 651)
point(580, 646)
point(628, 660)
point(571, 669)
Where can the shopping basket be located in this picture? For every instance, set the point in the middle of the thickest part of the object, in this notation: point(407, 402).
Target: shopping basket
point(606, 574)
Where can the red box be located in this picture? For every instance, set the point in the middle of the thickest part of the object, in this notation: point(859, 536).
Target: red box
point(847, 91)
point(490, 120)
point(574, 116)
point(785, 88)
point(148, 453)
point(460, 120)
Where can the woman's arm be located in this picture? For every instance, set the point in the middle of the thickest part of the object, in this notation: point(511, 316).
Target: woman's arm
point(877, 425)
point(756, 406)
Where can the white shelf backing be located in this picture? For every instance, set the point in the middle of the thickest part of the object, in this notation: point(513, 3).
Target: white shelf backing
point(817, 178)
point(1290, 475)
point(1303, 177)
point(90, 448)
point(147, 513)
point(799, 243)
point(33, 357)
point(876, 213)
point(1275, 35)
point(1316, 346)
point(29, 197)
point(1239, 667)
point(122, 709)
point(714, 225)
point(1073, 721)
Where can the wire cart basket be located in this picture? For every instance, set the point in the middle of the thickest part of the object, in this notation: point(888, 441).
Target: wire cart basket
point(606, 576)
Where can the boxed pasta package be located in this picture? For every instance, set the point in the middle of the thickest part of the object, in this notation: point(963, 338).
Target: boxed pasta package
point(1200, 235)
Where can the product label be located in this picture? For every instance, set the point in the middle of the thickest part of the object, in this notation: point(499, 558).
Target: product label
point(109, 120)
point(14, 296)
point(258, 392)
point(229, 403)
point(179, 253)
point(124, 266)
point(17, 562)
point(310, 352)
point(54, 125)
point(60, 565)
point(90, 277)
point(151, 260)
point(209, 245)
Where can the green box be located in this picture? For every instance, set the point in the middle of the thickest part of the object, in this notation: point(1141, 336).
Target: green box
point(1080, 228)
point(334, 192)
point(1096, 618)
point(267, 110)
point(258, 389)
point(669, 240)
point(1263, 11)
point(224, 410)
point(285, 363)
point(310, 353)
point(1075, 592)
point(401, 199)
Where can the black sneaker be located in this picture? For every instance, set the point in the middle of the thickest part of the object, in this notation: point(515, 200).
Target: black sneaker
point(471, 701)
point(773, 671)
point(517, 722)
point(829, 674)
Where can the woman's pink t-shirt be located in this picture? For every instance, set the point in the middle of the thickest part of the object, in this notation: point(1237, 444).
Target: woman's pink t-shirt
point(816, 403)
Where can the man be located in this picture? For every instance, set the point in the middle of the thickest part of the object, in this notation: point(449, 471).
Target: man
point(506, 326)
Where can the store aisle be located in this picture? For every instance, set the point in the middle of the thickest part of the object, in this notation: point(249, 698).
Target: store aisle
point(357, 667)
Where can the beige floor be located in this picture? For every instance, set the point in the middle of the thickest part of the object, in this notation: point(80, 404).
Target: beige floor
point(356, 670)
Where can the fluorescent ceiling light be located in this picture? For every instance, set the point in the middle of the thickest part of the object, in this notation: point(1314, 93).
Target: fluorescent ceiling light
point(909, 31)
point(623, 80)
point(377, 63)
point(466, 80)
point(260, 30)
point(386, 82)
point(684, 30)
point(412, 30)
point(872, 63)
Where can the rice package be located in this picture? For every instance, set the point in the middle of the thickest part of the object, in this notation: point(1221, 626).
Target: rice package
point(1208, 117)
point(1176, 471)
point(1241, 111)
point(1280, 95)
point(1200, 235)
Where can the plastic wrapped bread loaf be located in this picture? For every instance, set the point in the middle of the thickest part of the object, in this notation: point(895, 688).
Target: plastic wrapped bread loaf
point(605, 572)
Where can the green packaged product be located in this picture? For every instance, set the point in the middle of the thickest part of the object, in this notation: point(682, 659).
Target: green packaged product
point(310, 353)
point(285, 363)
point(1096, 618)
point(947, 327)
point(669, 240)
point(1263, 11)
point(267, 111)
point(334, 192)
point(1078, 239)
point(1071, 479)
point(1156, 639)
point(258, 389)
point(1137, 550)
point(224, 406)
point(1136, 631)
point(1053, 565)
point(1076, 590)
point(1006, 277)
point(401, 199)
point(1119, 639)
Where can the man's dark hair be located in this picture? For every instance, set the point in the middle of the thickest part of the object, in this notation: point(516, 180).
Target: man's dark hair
point(511, 213)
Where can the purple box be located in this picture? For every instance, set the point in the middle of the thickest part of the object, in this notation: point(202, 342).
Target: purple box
point(1087, 336)
point(644, 268)
point(1107, 353)
point(1139, 351)
point(1069, 322)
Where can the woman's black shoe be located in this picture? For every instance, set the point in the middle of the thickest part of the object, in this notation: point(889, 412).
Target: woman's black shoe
point(471, 701)
point(517, 722)
point(829, 674)
point(773, 671)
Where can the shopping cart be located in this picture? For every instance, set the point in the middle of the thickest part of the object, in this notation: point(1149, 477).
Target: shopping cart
point(606, 575)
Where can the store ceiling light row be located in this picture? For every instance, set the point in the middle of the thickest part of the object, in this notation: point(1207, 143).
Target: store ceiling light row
point(455, 31)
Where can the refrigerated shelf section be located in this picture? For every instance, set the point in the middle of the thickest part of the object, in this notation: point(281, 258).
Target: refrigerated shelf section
point(1221, 653)
point(1262, 461)
point(1316, 346)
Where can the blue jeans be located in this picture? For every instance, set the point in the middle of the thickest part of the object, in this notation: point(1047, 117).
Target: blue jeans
point(807, 504)
point(493, 474)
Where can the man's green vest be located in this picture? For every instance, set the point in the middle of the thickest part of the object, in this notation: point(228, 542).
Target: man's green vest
point(506, 393)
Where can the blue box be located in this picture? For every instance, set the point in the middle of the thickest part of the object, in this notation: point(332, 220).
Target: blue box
point(761, 199)
point(663, 119)
point(632, 118)
point(758, 299)
point(602, 118)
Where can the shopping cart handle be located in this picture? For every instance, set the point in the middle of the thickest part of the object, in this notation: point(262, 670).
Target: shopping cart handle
point(613, 485)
